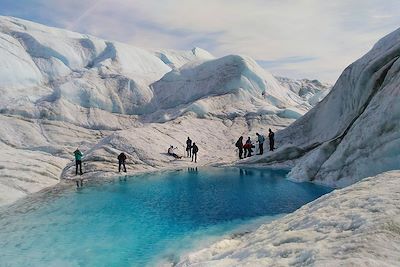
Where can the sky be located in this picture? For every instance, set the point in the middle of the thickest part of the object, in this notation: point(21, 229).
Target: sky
point(313, 39)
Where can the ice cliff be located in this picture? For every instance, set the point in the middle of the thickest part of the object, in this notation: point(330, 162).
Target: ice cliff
point(354, 132)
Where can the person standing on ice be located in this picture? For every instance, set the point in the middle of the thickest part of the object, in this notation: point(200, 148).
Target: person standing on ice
point(271, 137)
point(248, 148)
point(121, 161)
point(78, 161)
point(239, 145)
point(261, 140)
point(188, 147)
point(195, 149)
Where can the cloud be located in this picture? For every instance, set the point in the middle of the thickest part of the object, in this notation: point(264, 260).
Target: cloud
point(314, 38)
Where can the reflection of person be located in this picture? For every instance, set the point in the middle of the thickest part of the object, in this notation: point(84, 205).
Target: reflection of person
point(78, 161)
point(192, 170)
point(121, 161)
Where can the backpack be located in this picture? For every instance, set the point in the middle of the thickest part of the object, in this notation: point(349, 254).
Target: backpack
point(237, 143)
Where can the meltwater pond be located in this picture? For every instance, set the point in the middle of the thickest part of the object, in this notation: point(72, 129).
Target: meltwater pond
point(144, 219)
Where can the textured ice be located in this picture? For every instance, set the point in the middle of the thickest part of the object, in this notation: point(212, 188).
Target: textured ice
point(354, 132)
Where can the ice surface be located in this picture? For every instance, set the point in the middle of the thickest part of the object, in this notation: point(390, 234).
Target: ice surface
point(355, 226)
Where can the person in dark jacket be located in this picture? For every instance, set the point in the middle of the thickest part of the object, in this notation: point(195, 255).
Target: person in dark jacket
point(239, 145)
point(121, 161)
point(78, 161)
point(188, 147)
point(271, 137)
point(195, 149)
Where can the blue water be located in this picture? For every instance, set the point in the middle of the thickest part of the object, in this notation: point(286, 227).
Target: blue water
point(142, 219)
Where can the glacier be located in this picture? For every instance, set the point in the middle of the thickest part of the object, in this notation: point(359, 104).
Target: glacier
point(62, 90)
point(350, 139)
point(354, 131)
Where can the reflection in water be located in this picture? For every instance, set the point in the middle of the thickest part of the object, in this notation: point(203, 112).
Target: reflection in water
point(246, 172)
point(193, 170)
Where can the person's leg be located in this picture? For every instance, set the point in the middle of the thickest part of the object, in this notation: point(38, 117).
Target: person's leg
point(77, 184)
point(76, 167)
point(80, 167)
point(195, 157)
point(240, 153)
point(81, 182)
point(273, 145)
point(124, 166)
point(261, 148)
point(119, 166)
point(192, 156)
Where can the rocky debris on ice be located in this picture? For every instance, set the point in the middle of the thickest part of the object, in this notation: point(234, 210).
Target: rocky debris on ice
point(355, 226)
point(354, 132)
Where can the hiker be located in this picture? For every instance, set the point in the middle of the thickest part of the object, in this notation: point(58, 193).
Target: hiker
point(195, 149)
point(78, 161)
point(261, 140)
point(188, 148)
point(172, 153)
point(271, 137)
point(121, 161)
point(248, 148)
point(239, 145)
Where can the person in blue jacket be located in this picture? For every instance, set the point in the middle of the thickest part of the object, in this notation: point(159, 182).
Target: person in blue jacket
point(260, 141)
point(78, 161)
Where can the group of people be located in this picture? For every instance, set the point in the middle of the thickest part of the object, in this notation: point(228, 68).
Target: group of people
point(246, 149)
point(191, 150)
point(78, 163)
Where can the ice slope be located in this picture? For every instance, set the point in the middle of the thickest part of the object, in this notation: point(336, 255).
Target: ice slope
point(312, 91)
point(176, 59)
point(355, 131)
point(355, 226)
point(225, 87)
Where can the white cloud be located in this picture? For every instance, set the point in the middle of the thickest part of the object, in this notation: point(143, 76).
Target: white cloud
point(334, 34)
